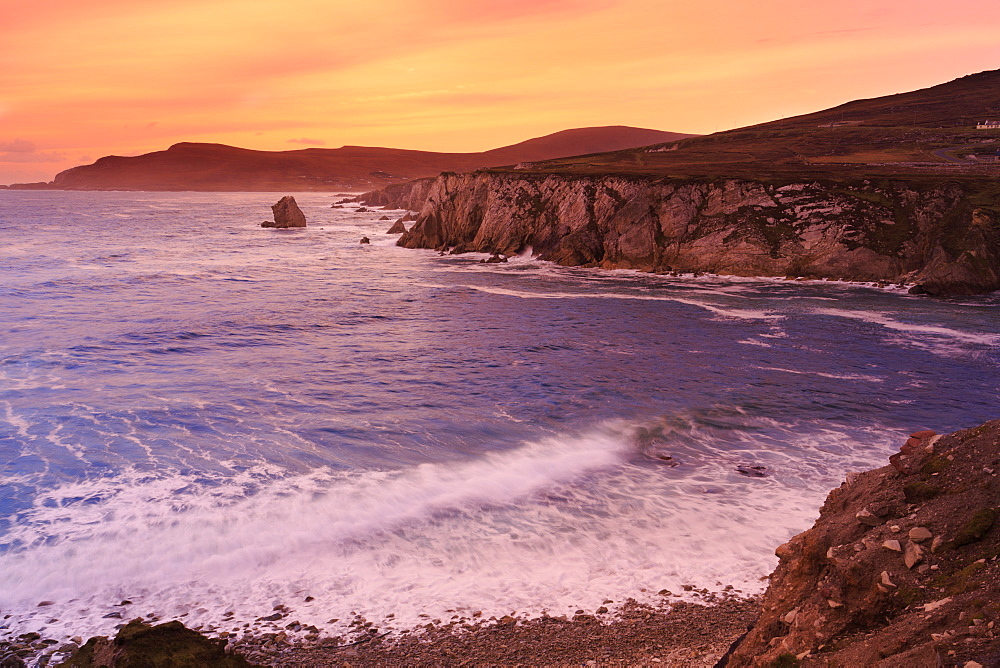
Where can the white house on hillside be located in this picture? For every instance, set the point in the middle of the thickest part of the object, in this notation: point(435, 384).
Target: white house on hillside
point(989, 125)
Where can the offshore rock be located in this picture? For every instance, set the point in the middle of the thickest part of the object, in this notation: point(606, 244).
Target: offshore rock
point(856, 604)
point(169, 645)
point(286, 214)
point(397, 228)
point(932, 235)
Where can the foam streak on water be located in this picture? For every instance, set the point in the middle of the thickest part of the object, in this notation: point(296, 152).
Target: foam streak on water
point(203, 416)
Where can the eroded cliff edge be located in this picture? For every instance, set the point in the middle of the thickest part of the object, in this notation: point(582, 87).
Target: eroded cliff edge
point(900, 569)
point(940, 235)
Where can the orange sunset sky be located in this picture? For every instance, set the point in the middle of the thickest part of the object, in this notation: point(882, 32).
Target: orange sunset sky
point(79, 80)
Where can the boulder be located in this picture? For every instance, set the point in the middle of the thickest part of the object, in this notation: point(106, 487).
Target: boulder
point(365, 240)
point(286, 214)
point(170, 644)
point(397, 227)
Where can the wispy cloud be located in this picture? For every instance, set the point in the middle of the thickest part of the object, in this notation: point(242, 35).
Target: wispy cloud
point(308, 142)
point(24, 151)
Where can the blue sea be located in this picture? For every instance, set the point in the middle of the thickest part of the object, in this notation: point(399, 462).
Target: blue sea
point(208, 419)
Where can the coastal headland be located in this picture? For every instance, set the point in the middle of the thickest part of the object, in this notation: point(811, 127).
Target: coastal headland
point(874, 190)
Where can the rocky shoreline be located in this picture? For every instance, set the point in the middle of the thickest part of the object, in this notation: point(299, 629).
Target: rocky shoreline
point(932, 235)
point(902, 568)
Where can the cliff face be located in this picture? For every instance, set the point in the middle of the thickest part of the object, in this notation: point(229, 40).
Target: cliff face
point(900, 569)
point(932, 235)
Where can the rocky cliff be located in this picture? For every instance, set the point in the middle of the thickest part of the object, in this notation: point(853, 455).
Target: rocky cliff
point(929, 233)
point(900, 569)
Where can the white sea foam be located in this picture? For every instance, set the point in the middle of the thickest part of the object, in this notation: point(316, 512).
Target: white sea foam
point(553, 525)
point(723, 311)
point(938, 339)
point(836, 376)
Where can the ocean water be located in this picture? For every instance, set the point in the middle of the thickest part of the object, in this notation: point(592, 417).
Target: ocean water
point(208, 419)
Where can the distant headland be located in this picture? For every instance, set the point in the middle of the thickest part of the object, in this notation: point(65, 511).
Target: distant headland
point(217, 167)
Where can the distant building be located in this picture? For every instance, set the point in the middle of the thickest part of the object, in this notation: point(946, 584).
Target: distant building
point(989, 125)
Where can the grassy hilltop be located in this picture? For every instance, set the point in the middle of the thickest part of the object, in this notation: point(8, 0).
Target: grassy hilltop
point(919, 135)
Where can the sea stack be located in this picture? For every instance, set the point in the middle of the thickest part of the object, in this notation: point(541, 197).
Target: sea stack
point(286, 214)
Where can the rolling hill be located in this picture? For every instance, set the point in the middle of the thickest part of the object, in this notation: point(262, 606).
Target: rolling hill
point(196, 166)
point(932, 130)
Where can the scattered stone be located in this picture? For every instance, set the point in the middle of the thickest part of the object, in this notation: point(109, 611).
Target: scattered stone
point(930, 607)
point(885, 579)
point(936, 544)
point(866, 517)
point(913, 554)
point(919, 534)
point(893, 545)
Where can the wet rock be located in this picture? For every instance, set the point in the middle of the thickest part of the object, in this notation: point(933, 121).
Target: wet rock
point(496, 258)
point(752, 470)
point(365, 240)
point(12, 661)
point(138, 644)
point(384, 218)
point(361, 210)
point(397, 228)
point(924, 433)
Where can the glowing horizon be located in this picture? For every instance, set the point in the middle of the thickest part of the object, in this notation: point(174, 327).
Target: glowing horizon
point(78, 81)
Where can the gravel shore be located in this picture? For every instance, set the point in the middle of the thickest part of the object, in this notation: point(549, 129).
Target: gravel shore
point(633, 634)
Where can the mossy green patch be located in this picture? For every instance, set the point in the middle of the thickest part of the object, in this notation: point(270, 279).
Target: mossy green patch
point(977, 527)
point(916, 492)
point(963, 580)
point(935, 465)
point(786, 660)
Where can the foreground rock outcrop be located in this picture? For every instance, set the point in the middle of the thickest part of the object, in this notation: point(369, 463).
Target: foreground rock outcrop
point(900, 569)
point(930, 234)
point(170, 645)
point(286, 214)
